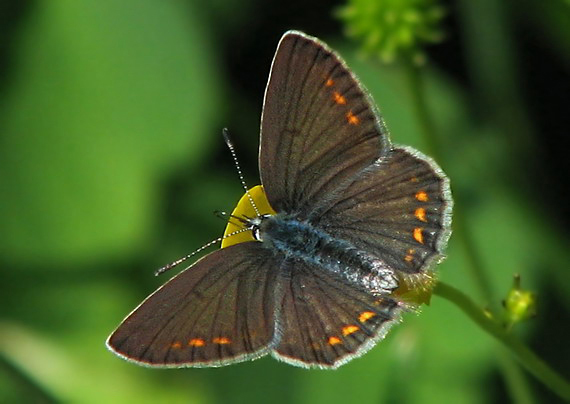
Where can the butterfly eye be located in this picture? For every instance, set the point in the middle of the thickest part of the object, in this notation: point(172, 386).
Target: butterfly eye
point(256, 226)
point(256, 234)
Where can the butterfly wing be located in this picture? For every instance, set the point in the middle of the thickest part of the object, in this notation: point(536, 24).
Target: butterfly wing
point(218, 311)
point(398, 209)
point(318, 127)
point(324, 322)
point(325, 156)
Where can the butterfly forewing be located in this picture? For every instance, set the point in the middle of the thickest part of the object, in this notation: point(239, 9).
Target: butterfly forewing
point(318, 126)
point(324, 321)
point(220, 310)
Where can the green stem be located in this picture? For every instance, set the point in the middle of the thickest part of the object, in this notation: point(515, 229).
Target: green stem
point(459, 223)
point(528, 359)
point(514, 379)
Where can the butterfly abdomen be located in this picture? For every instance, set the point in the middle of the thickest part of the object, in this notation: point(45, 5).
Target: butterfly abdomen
point(301, 240)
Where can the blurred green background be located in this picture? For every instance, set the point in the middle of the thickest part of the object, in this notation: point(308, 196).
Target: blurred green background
point(112, 161)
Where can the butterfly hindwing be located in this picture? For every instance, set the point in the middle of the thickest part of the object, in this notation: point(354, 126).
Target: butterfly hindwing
point(399, 209)
point(324, 322)
point(218, 311)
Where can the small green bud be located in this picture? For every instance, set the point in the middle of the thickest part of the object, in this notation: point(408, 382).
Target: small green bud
point(391, 29)
point(519, 304)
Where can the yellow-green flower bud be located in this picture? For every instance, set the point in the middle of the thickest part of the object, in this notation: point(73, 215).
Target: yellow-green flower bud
point(392, 29)
point(519, 304)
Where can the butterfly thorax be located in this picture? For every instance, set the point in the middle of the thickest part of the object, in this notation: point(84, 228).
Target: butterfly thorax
point(301, 240)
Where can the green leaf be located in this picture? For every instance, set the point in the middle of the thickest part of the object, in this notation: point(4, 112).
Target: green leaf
point(106, 98)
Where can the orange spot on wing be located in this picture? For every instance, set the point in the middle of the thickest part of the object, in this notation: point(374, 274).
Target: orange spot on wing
point(329, 82)
point(334, 340)
point(352, 119)
point(176, 345)
point(221, 341)
point(422, 196)
point(418, 235)
point(414, 179)
point(420, 214)
point(365, 316)
point(410, 256)
point(196, 342)
point(339, 99)
point(350, 329)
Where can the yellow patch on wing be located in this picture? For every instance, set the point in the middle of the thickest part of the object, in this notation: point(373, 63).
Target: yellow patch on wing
point(244, 209)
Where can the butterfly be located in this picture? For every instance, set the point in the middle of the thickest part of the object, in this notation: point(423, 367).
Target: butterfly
point(352, 221)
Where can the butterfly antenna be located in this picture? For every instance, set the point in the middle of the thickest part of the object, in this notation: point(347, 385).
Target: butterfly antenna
point(235, 220)
point(179, 261)
point(220, 214)
point(240, 174)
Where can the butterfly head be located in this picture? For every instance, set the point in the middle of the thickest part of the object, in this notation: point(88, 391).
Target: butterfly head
point(256, 225)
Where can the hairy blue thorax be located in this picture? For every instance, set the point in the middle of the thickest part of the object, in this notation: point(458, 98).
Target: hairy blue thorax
point(301, 240)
